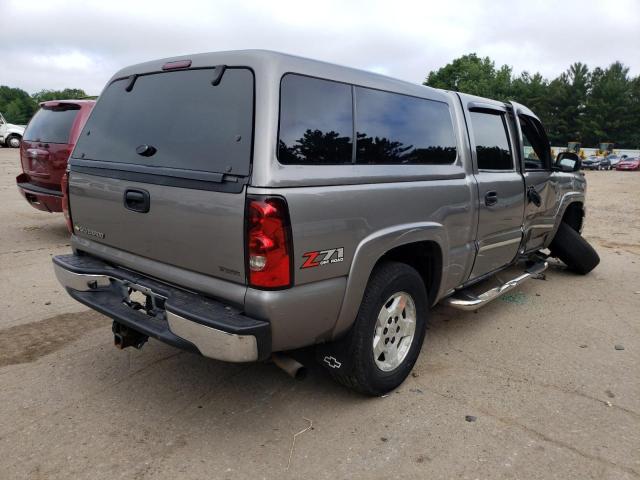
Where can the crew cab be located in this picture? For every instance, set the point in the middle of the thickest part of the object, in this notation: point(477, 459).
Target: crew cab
point(239, 204)
point(45, 149)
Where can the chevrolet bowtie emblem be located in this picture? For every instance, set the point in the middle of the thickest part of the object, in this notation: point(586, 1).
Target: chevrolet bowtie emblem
point(332, 362)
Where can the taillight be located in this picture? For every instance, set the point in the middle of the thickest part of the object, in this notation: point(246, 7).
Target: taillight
point(268, 242)
point(64, 185)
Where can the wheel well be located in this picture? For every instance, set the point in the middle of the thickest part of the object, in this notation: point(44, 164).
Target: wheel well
point(573, 216)
point(426, 258)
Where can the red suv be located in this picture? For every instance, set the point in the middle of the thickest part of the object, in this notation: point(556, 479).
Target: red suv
point(47, 143)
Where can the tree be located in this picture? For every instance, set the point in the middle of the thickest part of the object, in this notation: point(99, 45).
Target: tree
point(66, 94)
point(608, 117)
point(633, 140)
point(16, 105)
point(474, 75)
point(578, 105)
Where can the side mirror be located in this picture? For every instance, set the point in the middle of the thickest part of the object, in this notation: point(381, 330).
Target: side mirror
point(568, 162)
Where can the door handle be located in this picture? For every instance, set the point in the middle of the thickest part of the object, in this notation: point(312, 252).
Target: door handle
point(533, 196)
point(137, 201)
point(491, 198)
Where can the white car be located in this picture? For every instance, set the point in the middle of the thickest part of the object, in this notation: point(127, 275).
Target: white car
point(615, 159)
point(10, 134)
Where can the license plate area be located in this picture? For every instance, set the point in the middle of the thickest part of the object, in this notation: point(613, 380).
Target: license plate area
point(142, 299)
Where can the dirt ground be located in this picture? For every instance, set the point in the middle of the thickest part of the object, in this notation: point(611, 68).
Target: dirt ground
point(538, 368)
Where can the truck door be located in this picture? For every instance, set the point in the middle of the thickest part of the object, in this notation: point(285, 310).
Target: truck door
point(500, 186)
point(540, 184)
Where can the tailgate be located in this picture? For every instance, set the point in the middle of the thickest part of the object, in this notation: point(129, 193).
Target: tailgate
point(161, 166)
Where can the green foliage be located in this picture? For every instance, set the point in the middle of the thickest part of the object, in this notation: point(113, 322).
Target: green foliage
point(18, 106)
point(579, 105)
point(66, 94)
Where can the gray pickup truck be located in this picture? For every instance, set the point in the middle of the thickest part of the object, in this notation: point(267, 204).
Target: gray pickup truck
point(240, 204)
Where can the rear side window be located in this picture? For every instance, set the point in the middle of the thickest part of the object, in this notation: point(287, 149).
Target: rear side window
point(492, 144)
point(317, 125)
point(52, 125)
point(190, 123)
point(398, 129)
point(316, 122)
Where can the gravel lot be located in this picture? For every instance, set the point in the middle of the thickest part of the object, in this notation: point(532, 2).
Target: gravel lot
point(552, 396)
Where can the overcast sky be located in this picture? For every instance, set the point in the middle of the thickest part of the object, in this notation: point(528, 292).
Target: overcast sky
point(81, 43)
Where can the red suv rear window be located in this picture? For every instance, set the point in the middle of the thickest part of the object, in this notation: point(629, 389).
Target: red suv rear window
point(52, 125)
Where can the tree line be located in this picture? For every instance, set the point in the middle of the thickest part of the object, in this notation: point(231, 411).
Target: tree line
point(18, 106)
point(583, 105)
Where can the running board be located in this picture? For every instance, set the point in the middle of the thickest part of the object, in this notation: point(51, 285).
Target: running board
point(467, 299)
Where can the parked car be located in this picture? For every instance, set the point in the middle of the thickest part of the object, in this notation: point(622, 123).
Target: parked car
point(594, 162)
point(629, 164)
point(614, 159)
point(234, 211)
point(48, 140)
point(10, 134)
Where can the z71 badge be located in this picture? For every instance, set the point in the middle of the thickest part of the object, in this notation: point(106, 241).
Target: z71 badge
point(323, 257)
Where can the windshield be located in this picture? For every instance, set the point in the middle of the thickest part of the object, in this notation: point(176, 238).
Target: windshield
point(189, 123)
point(52, 125)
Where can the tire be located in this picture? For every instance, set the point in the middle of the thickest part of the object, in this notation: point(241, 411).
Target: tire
point(569, 246)
point(367, 374)
point(12, 141)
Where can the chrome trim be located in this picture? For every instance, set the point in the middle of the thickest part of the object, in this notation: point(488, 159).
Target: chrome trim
point(214, 343)
point(211, 342)
point(542, 226)
point(491, 246)
point(79, 281)
point(469, 302)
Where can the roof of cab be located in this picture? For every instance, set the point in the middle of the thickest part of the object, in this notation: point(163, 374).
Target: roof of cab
point(276, 64)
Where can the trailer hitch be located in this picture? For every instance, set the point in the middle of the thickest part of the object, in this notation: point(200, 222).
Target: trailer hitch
point(124, 337)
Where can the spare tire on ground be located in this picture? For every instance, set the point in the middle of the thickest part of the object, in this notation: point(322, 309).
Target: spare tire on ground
point(569, 246)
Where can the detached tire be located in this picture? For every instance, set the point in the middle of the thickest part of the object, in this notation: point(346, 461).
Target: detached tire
point(569, 246)
point(386, 338)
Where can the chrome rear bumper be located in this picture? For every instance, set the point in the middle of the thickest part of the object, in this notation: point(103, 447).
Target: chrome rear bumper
point(183, 319)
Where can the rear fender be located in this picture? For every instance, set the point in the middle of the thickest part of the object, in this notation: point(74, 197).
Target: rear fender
point(371, 249)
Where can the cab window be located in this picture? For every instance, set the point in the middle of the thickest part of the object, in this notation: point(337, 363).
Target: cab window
point(493, 151)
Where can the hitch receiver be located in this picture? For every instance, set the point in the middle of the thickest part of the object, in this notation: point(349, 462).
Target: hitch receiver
point(124, 337)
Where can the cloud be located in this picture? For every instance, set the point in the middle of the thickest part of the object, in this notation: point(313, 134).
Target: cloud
point(74, 43)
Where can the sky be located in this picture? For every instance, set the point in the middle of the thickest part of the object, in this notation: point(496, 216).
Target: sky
point(55, 44)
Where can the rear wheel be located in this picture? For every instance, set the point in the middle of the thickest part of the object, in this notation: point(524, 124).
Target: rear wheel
point(569, 246)
point(386, 338)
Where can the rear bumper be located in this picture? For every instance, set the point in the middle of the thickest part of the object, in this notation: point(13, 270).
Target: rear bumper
point(183, 319)
point(45, 199)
